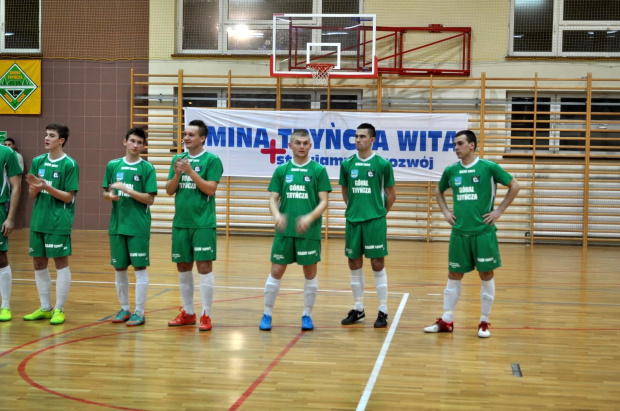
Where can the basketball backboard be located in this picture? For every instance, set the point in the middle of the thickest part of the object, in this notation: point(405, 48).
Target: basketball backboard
point(348, 41)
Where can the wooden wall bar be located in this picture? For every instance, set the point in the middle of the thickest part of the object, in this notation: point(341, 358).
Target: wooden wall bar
point(565, 150)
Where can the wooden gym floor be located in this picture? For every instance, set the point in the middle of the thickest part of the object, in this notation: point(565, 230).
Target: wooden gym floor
point(555, 342)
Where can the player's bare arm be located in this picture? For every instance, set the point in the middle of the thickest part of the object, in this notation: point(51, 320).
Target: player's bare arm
point(304, 222)
point(513, 190)
point(441, 200)
point(173, 183)
point(144, 198)
point(345, 194)
point(390, 197)
point(110, 195)
point(274, 206)
point(36, 185)
point(208, 187)
point(16, 188)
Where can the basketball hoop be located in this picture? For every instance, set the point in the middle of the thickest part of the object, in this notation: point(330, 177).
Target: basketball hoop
point(320, 73)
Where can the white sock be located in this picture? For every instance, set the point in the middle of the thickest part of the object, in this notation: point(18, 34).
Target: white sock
point(357, 286)
point(44, 287)
point(311, 287)
point(142, 286)
point(186, 288)
point(382, 289)
point(5, 286)
point(207, 284)
point(451, 296)
point(487, 296)
point(63, 284)
point(272, 288)
point(122, 288)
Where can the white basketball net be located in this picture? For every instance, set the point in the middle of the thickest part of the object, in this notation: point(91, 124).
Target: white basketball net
point(320, 73)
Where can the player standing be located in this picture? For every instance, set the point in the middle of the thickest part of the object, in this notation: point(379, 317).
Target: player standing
point(130, 183)
point(53, 184)
point(9, 194)
point(367, 181)
point(473, 242)
point(299, 196)
point(194, 177)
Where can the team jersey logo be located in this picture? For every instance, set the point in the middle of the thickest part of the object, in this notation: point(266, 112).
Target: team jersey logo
point(307, 179)
point(119, 176)
point(458, 180)
point(137, 177)
point(475, 179)
point(289, 178)
point(370, 174)
point(198, 169)
point(56, 174)
point(354, 173)
point(41, 172)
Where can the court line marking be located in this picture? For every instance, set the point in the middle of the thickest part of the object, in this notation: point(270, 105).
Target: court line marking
point(21, 369)
point(265, 373)
point(232, 287)
point(384, 349)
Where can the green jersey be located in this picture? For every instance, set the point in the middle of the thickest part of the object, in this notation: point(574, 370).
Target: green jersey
point(129, 216)
point(192, 207)
point(473, 193)
point(11, 168)
point(50, 215)
point(366, 181)
point(299, 187)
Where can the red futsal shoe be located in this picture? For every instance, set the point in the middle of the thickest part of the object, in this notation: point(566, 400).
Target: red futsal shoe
point(183, 319)
point(205, 323)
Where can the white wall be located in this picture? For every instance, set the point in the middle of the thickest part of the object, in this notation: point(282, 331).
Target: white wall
point(489, 20)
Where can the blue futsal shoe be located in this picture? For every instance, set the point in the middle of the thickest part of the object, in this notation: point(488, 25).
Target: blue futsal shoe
point(265, 323)
point(306, 323)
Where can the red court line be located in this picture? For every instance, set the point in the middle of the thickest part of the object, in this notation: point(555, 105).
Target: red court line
point(522, 328)
point(49, 336)
point(225, 301)
point(260, 379)
point(587, 284)
point(22, 366)
point(2, 354)
point(22, 372)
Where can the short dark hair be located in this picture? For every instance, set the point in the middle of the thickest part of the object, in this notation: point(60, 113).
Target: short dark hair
point(61, 129)
point(300, 132)
point(370, 128)
point(202, 127)
point(10, 139)
point(471, 137)
point(137, 131)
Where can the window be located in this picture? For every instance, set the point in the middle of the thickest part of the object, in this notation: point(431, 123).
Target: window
point(200, 99)
point(265, 99)
point(604, 131)
point(243, 26)
point(565, 28)
point(341, 101)
point(524, 123)
point(21, 26)
point(560, 124)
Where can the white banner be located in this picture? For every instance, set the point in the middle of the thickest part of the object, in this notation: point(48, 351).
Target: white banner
point(254, 143)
